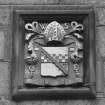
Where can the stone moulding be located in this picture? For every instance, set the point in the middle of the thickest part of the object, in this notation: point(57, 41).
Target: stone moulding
point(28, 85)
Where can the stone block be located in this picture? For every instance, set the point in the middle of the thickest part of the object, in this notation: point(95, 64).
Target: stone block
point(100, 40)
point(4, 80)
point(100, 16)
point(5, 38)
point(5, 45)
point(4, 15)
point(25, 2)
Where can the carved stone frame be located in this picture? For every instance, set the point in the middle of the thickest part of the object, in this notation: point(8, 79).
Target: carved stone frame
point(19, 91)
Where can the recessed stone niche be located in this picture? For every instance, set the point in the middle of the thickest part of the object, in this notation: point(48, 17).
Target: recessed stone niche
point(53, 52)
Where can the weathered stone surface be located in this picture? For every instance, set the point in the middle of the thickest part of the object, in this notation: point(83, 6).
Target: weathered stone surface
point(100, 40)
point(5, 38)
point(4, 80)
point(72, 2)
point(60, 102)
point(100, 52)
point(5, 44)
point(4, 15)
point(100, 16)
point(66, 102)
point(4, 101)
point(29, 2)
point(2, 39)
point(93, 2)
point(100, 101)
point(104, 75)
point(97, 2)
point(5, 50)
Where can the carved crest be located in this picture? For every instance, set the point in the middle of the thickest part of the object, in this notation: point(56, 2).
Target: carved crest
point(56, 51)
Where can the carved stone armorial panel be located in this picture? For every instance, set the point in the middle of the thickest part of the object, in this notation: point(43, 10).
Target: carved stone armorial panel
point(53, 53)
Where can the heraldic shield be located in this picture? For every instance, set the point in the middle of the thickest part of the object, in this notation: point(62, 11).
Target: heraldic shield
point(53, 54)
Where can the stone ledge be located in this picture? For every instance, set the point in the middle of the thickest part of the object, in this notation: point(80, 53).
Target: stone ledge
point(59, 102)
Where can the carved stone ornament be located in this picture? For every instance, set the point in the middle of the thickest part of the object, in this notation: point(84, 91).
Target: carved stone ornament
point(53, 53)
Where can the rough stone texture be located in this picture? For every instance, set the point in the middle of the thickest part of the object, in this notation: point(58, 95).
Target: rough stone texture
point(28, 2)
point(5, 44)
point(73, 2)
point(100, 101)
point(4, 15)
point(2, 38)
point(100, 16)
point(104, 76)
point(4, 80)
point(65, 102)
point(5, 36)
point(91, 2)
point(4, 101)
point(100, 40)
point(57, 102)
point(5, 49)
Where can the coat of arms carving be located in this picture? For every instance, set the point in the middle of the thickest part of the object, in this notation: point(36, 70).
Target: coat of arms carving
point(53, 53)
